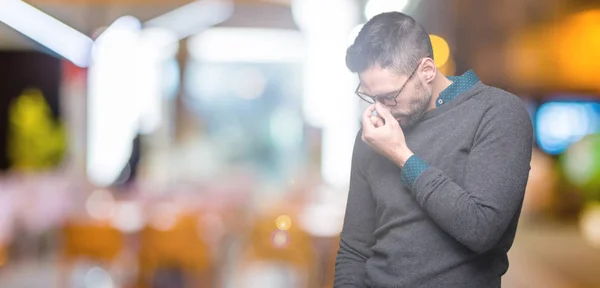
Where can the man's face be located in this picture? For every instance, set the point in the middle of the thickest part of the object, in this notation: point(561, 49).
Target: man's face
point(412, 102)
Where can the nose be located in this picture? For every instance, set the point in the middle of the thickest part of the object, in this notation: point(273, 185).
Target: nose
point(379, 106)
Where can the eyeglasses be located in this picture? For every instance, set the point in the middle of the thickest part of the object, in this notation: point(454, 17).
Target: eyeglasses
point(385, 99)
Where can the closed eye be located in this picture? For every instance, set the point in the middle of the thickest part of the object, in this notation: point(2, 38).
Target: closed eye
point(388, 95)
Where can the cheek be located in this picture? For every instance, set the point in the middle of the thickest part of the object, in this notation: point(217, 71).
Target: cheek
point(402, 109)
point(415, 98)
point(404, 104)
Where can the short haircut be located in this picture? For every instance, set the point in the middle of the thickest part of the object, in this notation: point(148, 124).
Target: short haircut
point(392, 40)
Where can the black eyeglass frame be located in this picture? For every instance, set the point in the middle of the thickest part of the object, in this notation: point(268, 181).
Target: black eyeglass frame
point(372, 99)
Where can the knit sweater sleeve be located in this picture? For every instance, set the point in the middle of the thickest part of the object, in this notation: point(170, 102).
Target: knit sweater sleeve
point(478, 213)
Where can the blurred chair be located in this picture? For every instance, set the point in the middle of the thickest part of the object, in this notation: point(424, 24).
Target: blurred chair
point(91, 241)
point(94, 240)
point(277, 258)
point(176, 256)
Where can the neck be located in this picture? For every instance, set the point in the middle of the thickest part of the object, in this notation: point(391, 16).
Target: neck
point(440, 83)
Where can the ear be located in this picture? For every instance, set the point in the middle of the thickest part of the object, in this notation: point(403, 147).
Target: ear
point(427, 71)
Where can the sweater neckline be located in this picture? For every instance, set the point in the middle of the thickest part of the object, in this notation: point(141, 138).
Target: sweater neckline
point(462, 97)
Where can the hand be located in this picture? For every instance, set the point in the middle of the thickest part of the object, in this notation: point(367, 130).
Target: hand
point(384, 134)
point(377, 121)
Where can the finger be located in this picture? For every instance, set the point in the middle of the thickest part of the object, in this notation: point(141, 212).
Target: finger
point(384, 112)
point(364, 137)
point(366, 117)
point(377, 121)
point(369, 111)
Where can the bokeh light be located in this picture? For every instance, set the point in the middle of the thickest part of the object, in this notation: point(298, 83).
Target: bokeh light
point(441, 50)
point(589, 223)
point(127, 216)
point(581, 165)
point(562, 54)
point(283, 222)
point(577, 49)
point(100, 204)
point(196, 165)
point(561, 123)
point(98, 278)
point(280, 239)
point(165, 216)
point(449, 67)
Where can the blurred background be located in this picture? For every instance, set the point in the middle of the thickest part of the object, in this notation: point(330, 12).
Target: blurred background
point(155, 143)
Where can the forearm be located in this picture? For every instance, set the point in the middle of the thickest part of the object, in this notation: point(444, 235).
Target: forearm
point(476, 222)
point(478, 213)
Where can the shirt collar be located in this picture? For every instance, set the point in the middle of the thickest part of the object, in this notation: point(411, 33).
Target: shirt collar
point(460, 84)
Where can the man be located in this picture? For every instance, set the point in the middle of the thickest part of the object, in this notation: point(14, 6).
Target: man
point(439, 168)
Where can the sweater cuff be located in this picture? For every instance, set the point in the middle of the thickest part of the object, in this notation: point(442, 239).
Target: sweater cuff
point(413, 168)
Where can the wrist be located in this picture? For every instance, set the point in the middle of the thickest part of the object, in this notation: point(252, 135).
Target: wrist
point(402, 155)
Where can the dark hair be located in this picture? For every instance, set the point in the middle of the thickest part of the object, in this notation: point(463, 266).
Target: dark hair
point(392, 40)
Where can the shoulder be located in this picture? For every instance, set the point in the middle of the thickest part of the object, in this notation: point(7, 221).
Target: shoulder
point(500, 104)
point(494, 98)
point(504, 111)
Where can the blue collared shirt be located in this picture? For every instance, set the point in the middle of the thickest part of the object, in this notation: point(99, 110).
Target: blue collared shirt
point(415, 166)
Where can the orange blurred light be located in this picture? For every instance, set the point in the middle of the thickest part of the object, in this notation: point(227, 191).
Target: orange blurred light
point(441, 50)
point(449, 67)
point(283, 222)
point(3, 256)
point(528, 58)
point(565, 55)
point(577, 48)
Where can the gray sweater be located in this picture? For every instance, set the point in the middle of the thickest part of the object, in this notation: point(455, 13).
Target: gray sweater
point(453, 225)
